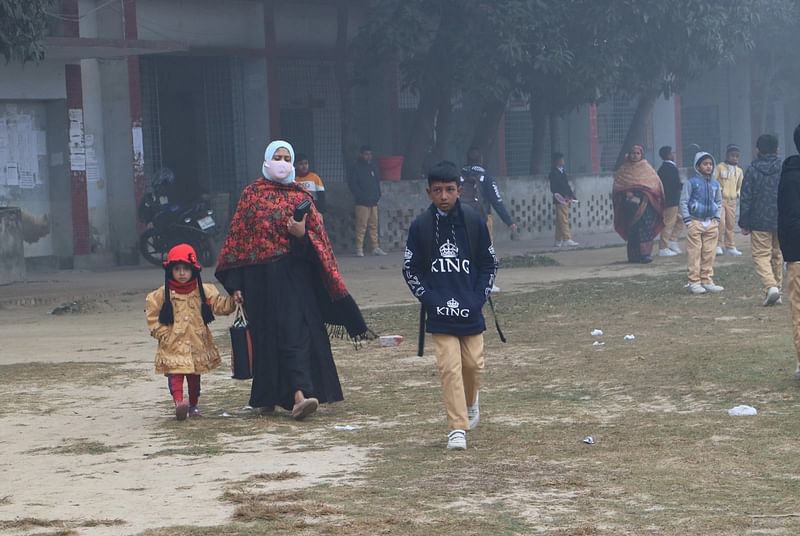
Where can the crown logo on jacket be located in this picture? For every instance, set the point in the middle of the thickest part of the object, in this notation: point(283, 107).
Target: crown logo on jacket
point(452, 303)
point(448, 250)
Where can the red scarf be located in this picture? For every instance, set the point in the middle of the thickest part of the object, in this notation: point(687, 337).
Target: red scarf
point(258, 232)
point(183, 288)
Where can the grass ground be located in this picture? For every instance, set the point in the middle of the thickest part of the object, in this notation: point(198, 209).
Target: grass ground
point(667, 458)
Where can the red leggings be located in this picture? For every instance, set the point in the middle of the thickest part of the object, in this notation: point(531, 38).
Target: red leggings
point(175, 383)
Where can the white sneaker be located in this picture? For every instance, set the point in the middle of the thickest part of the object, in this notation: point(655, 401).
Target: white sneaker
point(697, 288)
point(733, 252)
point(474, 413)
point(719, 251)
point(570, 243)
point(495, 288)
point(378, 252)
point(797, 374)
point(558, 244)
point(666, 252)
point(773, 295)
point(359, 252)
point(457, 440)
point(673, 245)
point(713, 288)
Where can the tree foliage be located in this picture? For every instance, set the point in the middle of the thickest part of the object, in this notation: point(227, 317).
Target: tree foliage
point(557, 54)
point(23, 25)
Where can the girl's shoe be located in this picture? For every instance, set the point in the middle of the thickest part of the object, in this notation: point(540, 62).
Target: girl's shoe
point(181, 410)
point(194, 411)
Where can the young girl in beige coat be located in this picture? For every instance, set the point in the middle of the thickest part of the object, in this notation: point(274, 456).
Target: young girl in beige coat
point(178, 315)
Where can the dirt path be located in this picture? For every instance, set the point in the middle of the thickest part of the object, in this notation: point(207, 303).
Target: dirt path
point(114, 425)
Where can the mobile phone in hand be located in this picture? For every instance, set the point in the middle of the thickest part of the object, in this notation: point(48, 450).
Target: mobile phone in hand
point(303, 208)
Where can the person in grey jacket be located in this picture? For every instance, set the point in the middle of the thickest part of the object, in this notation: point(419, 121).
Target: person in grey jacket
point(700, 208)
point(758, 216)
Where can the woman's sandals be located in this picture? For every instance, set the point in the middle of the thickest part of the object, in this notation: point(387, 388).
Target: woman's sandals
point(303, 409)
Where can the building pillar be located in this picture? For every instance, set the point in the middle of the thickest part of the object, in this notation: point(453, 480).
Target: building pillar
point(131, 31)
point(273, 86)
point(664, 126)
point(79, 201)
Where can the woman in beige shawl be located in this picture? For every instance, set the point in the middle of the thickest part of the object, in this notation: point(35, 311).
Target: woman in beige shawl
point(638, 198)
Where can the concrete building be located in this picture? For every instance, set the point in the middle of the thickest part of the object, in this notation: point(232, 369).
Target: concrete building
point(201, 86)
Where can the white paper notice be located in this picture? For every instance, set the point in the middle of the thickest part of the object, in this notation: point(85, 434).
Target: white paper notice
point(138, 144)
point(12, 174)
point(76, 114)
point(77, 161)
point(27, 180)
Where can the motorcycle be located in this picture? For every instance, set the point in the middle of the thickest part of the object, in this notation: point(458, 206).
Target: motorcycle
point(169, 224)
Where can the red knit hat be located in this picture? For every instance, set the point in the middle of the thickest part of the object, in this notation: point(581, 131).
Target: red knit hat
point(183, 253)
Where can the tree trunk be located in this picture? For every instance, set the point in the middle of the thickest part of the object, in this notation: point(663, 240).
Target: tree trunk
point(443, 124)
point(346, 103)
point(539, 124)
point(637, 131)
point(485, 134)
point(555, 133)
point(421, 136)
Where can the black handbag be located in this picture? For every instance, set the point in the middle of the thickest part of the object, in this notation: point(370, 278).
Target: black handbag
point(241, 347)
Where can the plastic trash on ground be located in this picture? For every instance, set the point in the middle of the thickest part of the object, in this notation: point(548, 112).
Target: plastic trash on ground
point(589, 440)
point(598, 343)
point(629, 337)
point(346, 427)
point(391, 340)
point(743, 411)
point(597, 332)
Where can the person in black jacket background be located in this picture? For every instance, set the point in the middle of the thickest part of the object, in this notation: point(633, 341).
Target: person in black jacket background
point(489, 191)
point(671, 180)
point(563, 197)
point(365, 185)
point(449, 266)
point(789, 235)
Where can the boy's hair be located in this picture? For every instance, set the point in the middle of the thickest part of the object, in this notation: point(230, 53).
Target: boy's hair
point(556, 156)
point(767, 144)
point(664, 152)
point(364, 148)
point(797, 138)
point(444, 171)
point(732, 148)
point(299, 157)
point(474, 155)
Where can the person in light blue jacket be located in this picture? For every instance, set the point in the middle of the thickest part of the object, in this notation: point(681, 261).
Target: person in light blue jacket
point(701, 208)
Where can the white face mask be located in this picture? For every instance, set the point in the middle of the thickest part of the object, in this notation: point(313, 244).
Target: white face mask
point(278, 170)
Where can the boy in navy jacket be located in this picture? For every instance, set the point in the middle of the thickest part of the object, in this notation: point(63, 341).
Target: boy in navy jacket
point(450, 266)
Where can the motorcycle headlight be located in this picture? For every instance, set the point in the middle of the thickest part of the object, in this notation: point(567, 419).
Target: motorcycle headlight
point(187, 220)
point(210, 212)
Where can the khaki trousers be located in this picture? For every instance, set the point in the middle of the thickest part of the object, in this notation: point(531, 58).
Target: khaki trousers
point(701, 245)
point(366, 218)
point(767, 258)
point(563, 231)
point(672, 227)
point(727, 223)
point(793, 276)
point(460, 363)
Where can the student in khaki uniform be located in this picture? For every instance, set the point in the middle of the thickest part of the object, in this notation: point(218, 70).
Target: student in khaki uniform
point(178, 315)
point(758, 216)
point(789, 236)
point(730, 177)
point(701, 204)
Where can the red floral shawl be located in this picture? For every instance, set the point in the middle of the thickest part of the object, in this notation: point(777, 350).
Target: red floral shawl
point(258, 232)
